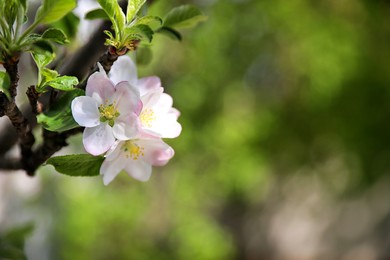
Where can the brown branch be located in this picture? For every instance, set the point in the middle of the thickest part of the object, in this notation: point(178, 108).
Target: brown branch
point(11, 110)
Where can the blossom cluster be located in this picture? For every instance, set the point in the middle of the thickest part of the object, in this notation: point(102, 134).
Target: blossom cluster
point(125, 118)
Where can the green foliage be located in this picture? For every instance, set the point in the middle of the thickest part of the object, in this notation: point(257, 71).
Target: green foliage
point(96, 14)
point(170, 32)
point(48, 77)
point(77, 164)
point(68, 24)
point(12, 242)
point(181, 17)
point(59, 117)
point(55, 35)
point(133, 7)
point(139, 32)
point(150, 20)
point(64, 83)
point(53, 10)
point(5, 83)
point(185, 16)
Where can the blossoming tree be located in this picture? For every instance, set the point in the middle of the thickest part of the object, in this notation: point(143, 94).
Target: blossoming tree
point(123, 118)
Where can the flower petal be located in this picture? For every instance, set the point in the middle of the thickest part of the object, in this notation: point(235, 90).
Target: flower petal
point(127, 98)
point(98, 139)
point(164, 104)
point(148, 84)
point(139, 170)
point(99, 87)
point(85, 111)
point(126, 127)
point(124, 69)
point(167, 126)
point(151, 98)
point(156, 152)
point(110, 169)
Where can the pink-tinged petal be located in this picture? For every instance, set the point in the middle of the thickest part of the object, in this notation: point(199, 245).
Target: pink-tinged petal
point(127, 98)
point(148, 134)
point(99, 87)
point(148, 84)
point(126, 127)
point(98, 139)
point(156, 152)
point(85, 111)
point(114, 151)
point(175, 112)
point(138, 169)
point(124, 69)
point(110, 169)
point(151, 98)
point(164, 104)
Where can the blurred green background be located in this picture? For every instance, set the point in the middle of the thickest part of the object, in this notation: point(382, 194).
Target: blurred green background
point(285, 149)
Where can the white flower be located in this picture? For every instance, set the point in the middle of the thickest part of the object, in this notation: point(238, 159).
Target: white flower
point(136, 157)
point(157, 118)
point(108, 112)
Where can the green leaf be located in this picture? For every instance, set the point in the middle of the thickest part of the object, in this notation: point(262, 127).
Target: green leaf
point(185, 16)
point(170, 32)
point(68, 24)
point(53, 10)
point(43, 58)
point(115, 13)
point(23, 3)
point(5, 83)
point(48, 74)
point(64, 83)
point(10, 11)
point(77, 164)
point(55, 35)
point(133, 7)
point(96, 14)
point(152, 21)
point(139, 32)
point(42, 45)
point(59, 118)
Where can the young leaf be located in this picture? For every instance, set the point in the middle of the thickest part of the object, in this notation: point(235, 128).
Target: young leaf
point(47, 75)
point(55, 35)
point(59, 118)
point(77, 164)
point(185, 16)
point(152, 21)
point(5, 83)
point(170, 32)
point(96, 14)
point(68, 24)
point(53, 10)
point(139, 32)
point(64, 83)
point(132, 9)
point(115, 13)
point(10, 12)
point(43, 58)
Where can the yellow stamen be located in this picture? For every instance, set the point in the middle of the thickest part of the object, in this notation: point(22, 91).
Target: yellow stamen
point(108, 113)
point(147, 117)
point(132, 150)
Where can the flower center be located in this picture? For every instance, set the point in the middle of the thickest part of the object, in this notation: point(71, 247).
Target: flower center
point(132, 150)
point(108, 113)
point(147, 117)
